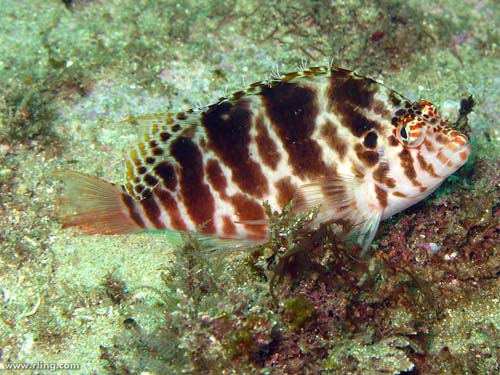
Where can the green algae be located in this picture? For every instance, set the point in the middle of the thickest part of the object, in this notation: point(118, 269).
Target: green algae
point(297, 311)
point(67, 74)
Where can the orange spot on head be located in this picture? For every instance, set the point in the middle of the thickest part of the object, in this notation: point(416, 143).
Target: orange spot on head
point(460, 141)
point(416, 133)
point(463, 155)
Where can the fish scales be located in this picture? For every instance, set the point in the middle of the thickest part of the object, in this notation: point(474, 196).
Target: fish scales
point(323, 136)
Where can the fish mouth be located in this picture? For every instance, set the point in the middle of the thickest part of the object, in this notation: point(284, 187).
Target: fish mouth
point(458, 149)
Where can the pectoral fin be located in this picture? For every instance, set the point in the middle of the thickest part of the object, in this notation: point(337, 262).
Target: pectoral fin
point(347, 200)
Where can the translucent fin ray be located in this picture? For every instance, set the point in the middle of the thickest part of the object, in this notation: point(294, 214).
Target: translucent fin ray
point(93, 205)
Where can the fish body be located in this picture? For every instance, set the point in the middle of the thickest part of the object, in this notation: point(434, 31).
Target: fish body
point(325, 137)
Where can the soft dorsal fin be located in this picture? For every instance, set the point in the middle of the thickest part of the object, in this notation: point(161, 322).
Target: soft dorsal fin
point(149, 162)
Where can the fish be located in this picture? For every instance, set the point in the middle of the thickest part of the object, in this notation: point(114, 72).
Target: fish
point(321, 137)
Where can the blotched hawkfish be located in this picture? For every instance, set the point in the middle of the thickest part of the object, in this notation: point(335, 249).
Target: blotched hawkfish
point(323, 136)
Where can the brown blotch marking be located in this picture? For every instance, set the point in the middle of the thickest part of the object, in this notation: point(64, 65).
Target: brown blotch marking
point(442, 158)
point(408, 168)
point(228, 131)
point(399, 194)
point(152, 211)
point(394, 99)
point(357, 123)
point(151, 180)
point(158, 151)
point(370, 140)
point(369, 158)
point(441, 139)
point(228, 227)
point(139, 188)
point(150, 160)
point(248, 209)
point(166, 172)
point(170, 205)
point(400, 112)
point(216, 177)
point(346, 95)
point(181, 116)
point(329, 133)
point(153, 144)
point(380, 108)
point(176, 128)
point(393, 141)
point(164, 136)
point(286, 191)
point(426, 166)
point(292, 110)
point(195, 193)
point(268, 151)
point(131, 205)
point(142, 169)
point(381, 175)
point(381, 196)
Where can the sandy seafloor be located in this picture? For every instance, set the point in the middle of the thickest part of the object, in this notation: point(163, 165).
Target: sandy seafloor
point(69, 71)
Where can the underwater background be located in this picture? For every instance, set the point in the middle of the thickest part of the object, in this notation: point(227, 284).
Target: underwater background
point(426, 300)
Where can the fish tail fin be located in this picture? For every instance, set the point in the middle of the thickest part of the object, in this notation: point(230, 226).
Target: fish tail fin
point(94, 205)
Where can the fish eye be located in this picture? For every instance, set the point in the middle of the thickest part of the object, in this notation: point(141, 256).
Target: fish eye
point(408, 136)
point(403, 133)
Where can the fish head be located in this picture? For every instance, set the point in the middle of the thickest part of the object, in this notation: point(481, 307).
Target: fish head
point(423, 149)
point(436, 148)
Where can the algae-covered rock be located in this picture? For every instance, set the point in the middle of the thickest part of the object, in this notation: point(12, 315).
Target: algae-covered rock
point(387, 356)
point(298, 310)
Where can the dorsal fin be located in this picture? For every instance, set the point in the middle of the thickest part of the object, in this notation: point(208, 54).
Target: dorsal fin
point(149, 162)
